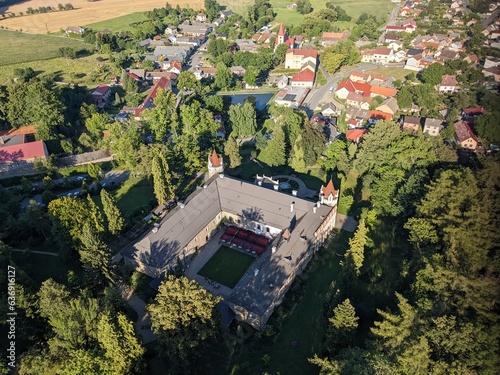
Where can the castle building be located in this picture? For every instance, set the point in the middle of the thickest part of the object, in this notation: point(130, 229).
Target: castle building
point(329, 195)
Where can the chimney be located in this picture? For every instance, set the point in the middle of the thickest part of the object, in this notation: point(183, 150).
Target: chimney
point(221, 175)
point(294, 193)
point(291, 206)
point(273, 249)
point(318, 204)
point(314, 209)
point(259, 182)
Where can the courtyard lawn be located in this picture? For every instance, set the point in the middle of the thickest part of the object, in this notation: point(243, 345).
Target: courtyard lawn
point(226, 266)
point(133, 195)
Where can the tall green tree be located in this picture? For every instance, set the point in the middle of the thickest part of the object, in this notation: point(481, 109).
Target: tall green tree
point(94, 253)
point(342, 326)
point(163, 117)
point(355, 255)
point(243, 119)
point(183, 315)
point(223, 77)
point(274, 154)
point(232, 150)
point(122, 349)
point(112, 212)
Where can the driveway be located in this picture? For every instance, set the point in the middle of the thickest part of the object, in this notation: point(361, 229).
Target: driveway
point(303, 191)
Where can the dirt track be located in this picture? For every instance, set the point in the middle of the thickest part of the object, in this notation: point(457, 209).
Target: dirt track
point(84, 13)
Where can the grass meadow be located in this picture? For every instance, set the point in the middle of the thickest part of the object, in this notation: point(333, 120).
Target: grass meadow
point(119, 23)
point(20, 47)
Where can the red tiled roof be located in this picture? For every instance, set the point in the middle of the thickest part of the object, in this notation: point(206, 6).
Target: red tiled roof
point(215, 159)
point(383, 91)
point(355, 134)
point(354, 86)
point(161, 84)
point(329, 189)
point(101, 90)
point(23, 151)
point(304, 76)
point(379, 115)
point(475, 110)
point(135, 77)
point(382, 51)
point(449, 80)
point(463, 131)
point(304, 52)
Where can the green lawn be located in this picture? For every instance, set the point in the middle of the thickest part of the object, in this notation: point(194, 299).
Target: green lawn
point(42, 267)
point(20, 47)
point(397, 73)
point(226, 266)
point(119, 23)
point(133, 195)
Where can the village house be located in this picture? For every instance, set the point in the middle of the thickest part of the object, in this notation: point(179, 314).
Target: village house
point(379, 55)
point(433, 126)
point(411, 123)
point(100, 95)
point(14, 151)
point(237, 71)
point(358, 115)
point(279, 81)
point(329, 38)
point(247, 45)
point(464, 135)
point(195, 29)
point(74, 30)
point(471, 114)
point(329, 110)
point(171, 30)
point(348, 86)
point(376, 115)
point(448, 84)
point(305, 78)
point(358, 100)
point(201, 17)
point(355, 135)
point(493, 72)
point(389, 105)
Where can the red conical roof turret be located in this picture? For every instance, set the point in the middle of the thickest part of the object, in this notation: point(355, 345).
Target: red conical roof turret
point(281, 32)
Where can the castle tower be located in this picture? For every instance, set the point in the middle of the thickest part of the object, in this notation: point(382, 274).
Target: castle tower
point(328, 195)
point(215, 164)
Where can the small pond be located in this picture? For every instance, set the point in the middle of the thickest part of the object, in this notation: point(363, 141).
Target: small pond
point(261, 100)
point(285, 185)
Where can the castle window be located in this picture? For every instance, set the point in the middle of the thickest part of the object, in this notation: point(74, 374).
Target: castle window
point(267, 229)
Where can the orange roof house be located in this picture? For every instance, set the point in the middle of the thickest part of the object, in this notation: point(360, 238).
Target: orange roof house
point(465, 136)
point(379, 115)
point(23, 152)
point(355, 135)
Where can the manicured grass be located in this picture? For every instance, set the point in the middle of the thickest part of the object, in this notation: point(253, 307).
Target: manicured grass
point(226, 266)
point(397, 73)
point(19, 47)
point(119, 23)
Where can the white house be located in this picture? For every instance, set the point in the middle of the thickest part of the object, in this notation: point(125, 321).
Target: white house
point(295, 58)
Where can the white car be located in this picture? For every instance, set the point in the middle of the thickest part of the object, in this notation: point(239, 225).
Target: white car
point(69, 194)
point(81, 178)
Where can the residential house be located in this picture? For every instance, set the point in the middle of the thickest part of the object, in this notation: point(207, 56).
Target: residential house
point(355, 135)
point(74, 30)
point(405, 10)
point(389, 105)
point(262, 38)
point(359, 77)
point(279, 81)
point(358, 100)
point(171, 30)
point(395, 45)
point(156, 76)
point(226, 14)
point(433, 126)
point(201, 17)
point(295, 58)
point(175, 67)
point(348, 86)
point(140, 73)
point(384, 92)
point(328, 38)
point(379, 55)
point(195, 29)
point(464, 135)
point(411, 123)
point(309, 65)
point(491, 62)
point(410, 25)
point(471, 114)
point(218, 22)
point(305, 78)
point(446, 55)
point(329, 110)
point(448, 84)
point(247, 45)
point(101, 95)
point(394, 29)
point(399, 56)
point(493, 72)
point(238, 71)
point(291, 96)
point(414, 63)
point(357, 114)
point(376, 115)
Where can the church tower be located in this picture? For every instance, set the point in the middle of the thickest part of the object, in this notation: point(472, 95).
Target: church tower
point(215, 164)
point(282, 37)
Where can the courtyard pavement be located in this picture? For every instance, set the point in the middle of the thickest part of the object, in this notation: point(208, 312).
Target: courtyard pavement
point(346, 223)
point(303, 191)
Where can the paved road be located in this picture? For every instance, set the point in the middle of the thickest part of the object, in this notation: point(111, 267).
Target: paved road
point(110, 178)
point(316, 95)
point(143, 321)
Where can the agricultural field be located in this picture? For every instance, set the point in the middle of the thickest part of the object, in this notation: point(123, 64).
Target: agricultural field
point(21, 47)
point(119, 23)
point(85, 13)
